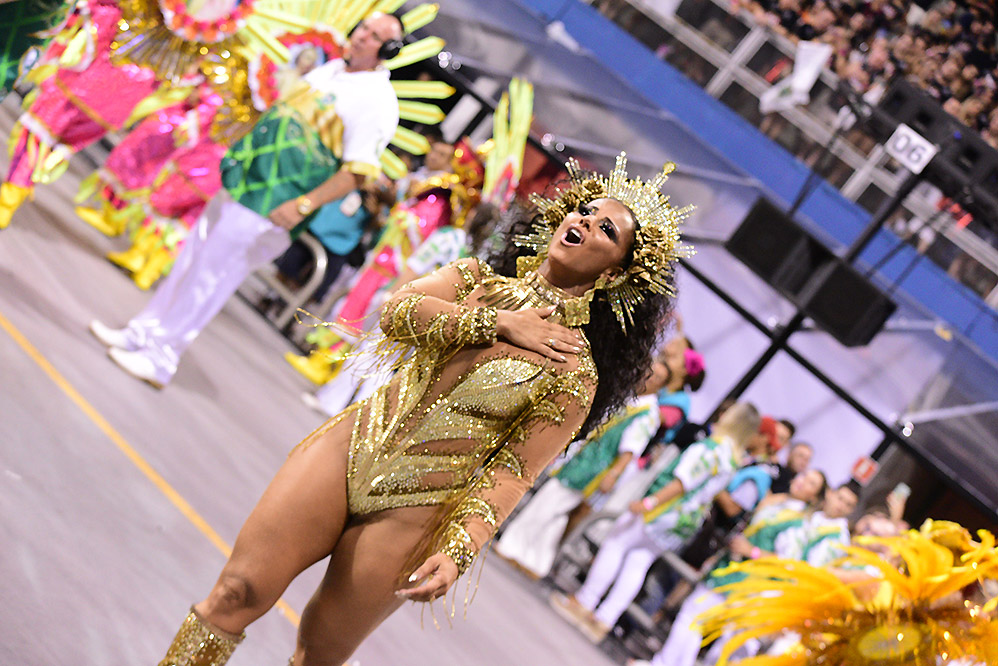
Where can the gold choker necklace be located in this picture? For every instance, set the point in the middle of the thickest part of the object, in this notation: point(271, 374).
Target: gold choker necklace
point(533, 291)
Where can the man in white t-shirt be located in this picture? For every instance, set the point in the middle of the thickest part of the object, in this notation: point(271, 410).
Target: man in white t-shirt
point(315, 146)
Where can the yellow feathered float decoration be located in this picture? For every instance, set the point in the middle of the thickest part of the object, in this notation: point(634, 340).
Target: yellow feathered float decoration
point(919, 599)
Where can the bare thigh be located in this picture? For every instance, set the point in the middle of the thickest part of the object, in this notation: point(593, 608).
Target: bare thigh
point(358, 591)
point(296, 523)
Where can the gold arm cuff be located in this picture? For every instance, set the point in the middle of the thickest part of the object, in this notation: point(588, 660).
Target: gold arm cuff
point(458, 546)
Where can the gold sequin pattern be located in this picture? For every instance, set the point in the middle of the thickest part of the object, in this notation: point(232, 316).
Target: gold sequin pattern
point(199, 644)
point(418, 442)
point(459, 546)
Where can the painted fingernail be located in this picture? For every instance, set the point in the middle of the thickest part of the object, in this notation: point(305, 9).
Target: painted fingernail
point(413, 577)
point(562, 358)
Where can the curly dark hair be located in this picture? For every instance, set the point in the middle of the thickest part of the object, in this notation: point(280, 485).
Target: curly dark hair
point(623, 359)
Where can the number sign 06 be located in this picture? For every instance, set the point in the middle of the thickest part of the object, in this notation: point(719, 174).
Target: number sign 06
point(910, 149)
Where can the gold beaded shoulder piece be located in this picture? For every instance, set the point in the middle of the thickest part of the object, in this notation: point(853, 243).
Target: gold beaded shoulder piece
point(657, 244)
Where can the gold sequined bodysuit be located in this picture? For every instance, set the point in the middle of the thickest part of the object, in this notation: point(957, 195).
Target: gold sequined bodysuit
point(468, 422)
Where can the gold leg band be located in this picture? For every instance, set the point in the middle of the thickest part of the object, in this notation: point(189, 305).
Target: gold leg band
point(200, 644)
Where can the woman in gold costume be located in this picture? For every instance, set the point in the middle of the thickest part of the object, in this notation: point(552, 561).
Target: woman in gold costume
point(403, 489)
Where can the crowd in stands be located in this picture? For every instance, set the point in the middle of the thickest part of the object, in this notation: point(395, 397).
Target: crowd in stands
point(949, 48)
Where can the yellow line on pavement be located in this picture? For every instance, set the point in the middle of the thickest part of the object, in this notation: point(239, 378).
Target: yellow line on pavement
point(164, 487)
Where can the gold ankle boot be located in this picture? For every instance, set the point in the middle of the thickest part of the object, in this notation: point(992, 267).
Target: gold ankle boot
point(106, 220)
point(153, 270)
point(135, 257)
point(318, 367)
point(200, 644)
point(11, 198)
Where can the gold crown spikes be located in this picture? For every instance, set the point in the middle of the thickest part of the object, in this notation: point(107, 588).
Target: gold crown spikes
point(420, 112)
point(420, 16)
point(410, 141)
point(422, 49)
point(423, 89)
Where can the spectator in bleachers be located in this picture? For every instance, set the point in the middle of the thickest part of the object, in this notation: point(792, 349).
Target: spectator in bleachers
point(785, 431)
point(671, 511)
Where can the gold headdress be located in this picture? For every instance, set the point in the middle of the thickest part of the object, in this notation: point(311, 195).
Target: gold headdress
point(657, 244)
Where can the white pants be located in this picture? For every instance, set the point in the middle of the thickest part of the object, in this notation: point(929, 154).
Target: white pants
point(228, 242)
point(356, 380)
point(683, 645)
point(623, 560)
point(532, 537)
point(685, 639)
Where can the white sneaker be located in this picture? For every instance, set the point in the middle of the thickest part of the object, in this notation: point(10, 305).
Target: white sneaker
point(112, 337)
point(139, 365)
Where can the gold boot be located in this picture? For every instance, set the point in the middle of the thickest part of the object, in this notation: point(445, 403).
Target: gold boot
point(153, 270)
point(11, 198)
point(106, 220)
point(135, 257)
point(317, 366)
point(200, 644)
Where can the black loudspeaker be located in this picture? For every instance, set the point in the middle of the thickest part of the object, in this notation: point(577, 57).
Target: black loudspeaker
point(835, 295)
point(966, 168)
point(846, 304)
point(778, 249)
point(909, 104)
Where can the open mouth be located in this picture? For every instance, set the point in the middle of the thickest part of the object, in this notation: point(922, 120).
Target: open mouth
point(572, 237)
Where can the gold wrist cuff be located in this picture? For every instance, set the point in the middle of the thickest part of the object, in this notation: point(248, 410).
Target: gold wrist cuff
point(459, 547)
